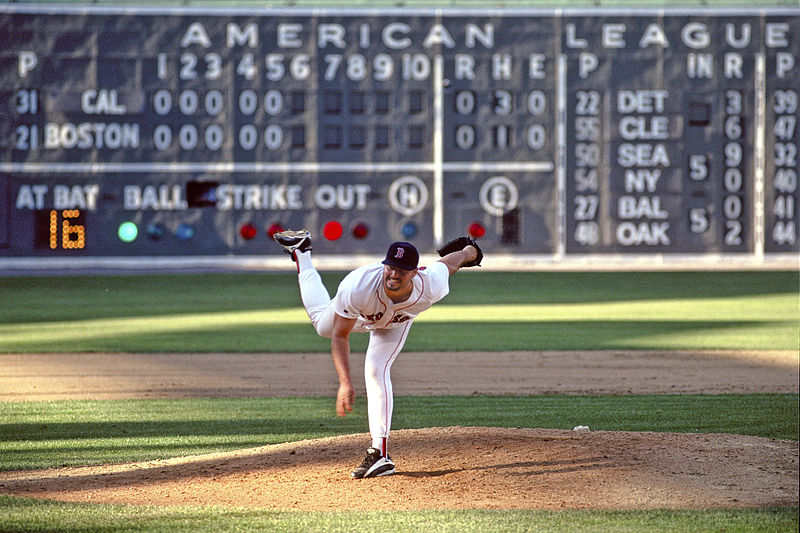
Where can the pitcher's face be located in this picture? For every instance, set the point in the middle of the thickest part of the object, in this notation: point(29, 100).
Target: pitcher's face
point(397, 279)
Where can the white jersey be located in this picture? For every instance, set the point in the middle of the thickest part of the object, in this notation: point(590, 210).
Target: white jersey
point(361, 296)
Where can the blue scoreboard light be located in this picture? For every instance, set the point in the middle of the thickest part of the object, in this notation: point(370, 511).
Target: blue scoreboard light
point(168, 132)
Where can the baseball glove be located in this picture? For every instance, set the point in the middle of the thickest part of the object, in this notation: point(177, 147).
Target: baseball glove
point(460, 243)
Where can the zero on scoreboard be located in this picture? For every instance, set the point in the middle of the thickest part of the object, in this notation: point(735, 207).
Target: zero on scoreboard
point(165, 132)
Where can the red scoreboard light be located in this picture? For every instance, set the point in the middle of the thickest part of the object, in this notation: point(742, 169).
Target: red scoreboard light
point(360, 231)
point(273, 229)
point(476, 230)
point(332, 230)
point(248, 231)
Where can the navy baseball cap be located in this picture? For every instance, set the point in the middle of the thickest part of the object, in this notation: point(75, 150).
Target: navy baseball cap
point(402, 255)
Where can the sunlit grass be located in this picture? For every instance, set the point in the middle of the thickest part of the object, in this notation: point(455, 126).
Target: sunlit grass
point(683, 310)
point(19, 514)
point(248, 313)
point(759, 316)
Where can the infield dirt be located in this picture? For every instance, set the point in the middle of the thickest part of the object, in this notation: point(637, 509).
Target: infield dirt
point(456, 467)
point(214, 375)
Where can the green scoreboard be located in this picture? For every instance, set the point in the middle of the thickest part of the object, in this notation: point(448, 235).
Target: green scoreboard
point(192, 132)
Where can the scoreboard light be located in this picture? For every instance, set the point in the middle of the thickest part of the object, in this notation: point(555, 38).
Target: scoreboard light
point(127, 232)
point(184, 232)
point(274, 228)
point(409, 230)
point(360, 231)
point(332, 230)
point(476, 230)
point(248, 231)
point(155, 231)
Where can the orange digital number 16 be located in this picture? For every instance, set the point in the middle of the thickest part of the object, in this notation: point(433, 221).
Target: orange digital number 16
point(73, 236)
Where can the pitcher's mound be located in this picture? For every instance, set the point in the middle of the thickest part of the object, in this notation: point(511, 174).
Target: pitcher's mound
point(454, 467)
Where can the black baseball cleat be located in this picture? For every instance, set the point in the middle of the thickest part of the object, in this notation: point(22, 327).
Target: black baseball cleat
point(374, 465)
point(293, 240)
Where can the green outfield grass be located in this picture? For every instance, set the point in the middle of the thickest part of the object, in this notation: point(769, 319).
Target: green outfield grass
point(485, 311)
point(31, 515)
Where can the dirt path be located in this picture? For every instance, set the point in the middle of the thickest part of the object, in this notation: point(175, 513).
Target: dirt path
point(437, 467)
point(114, 376)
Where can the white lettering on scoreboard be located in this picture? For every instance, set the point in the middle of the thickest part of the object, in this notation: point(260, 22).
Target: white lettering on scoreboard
point(665, 156)
point(552, 133)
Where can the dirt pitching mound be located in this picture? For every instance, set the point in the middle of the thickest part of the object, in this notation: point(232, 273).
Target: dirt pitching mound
point(452, 468)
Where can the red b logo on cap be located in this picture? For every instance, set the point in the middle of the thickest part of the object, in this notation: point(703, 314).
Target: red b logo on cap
point(402, 255)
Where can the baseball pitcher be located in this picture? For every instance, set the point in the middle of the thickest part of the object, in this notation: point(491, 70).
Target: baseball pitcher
point(382, 299)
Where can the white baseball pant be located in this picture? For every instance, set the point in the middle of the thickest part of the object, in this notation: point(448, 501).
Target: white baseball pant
point(383, 348)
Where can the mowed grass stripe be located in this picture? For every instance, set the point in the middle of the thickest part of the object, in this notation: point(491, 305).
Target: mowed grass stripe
point(532, 311)
point(22, 515)
point(742, 309)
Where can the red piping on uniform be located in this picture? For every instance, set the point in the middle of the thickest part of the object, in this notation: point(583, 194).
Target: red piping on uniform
point(421, 292)
point(394, 310)
point(384, 304)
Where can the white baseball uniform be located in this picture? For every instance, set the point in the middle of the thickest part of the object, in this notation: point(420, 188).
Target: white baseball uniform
point(361, 296)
